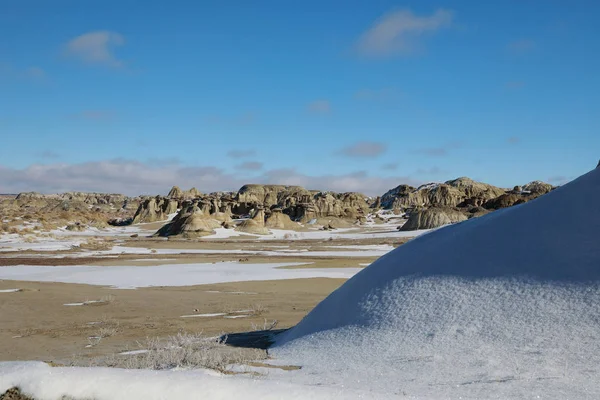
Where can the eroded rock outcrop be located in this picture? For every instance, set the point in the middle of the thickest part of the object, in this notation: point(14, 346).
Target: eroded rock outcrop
point(432, 217)
point(155, 209)
point(449, 194)
point(255, 225)
point(191, 221)
point(537, 187)
point(278, 220)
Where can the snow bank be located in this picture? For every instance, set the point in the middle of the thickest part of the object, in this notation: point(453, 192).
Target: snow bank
point(503, 306)
point(43, 382)
point(127, 277)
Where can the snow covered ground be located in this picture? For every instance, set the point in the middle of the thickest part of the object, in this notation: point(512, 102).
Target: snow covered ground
point(43, 382)
point(67, 240)
point(129, 277)
point(506, 306)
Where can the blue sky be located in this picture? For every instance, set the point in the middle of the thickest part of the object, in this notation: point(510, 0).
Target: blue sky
point(344, 95)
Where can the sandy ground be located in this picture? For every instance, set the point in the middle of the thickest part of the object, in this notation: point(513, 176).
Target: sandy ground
point(50, 331)
point(35, 323)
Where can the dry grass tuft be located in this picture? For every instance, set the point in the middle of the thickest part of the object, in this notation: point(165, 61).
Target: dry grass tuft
point(266, 326)
point(180, 351)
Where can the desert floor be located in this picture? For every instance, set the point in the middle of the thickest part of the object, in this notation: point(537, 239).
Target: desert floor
point(49, 320)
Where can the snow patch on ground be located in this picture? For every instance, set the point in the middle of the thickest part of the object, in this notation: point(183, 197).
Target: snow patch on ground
point(127, 277)
point(43, 382)
point(203, 315)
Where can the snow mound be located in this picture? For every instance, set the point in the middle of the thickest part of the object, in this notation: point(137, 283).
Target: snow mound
point(502, 306)
point(43, 382)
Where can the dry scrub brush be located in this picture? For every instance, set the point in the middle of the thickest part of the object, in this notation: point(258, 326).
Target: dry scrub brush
point(181, 351)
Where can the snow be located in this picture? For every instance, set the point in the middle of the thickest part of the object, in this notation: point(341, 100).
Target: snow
point(132, 352)
point(502, 306)
point(41, 244)
point(128, 277)
point(83, 303)
point(387, 230)
point(203, 315)
point(375, 251)
point(44, 382)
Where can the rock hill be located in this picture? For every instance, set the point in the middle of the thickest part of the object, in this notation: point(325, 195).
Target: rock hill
point(283, 207)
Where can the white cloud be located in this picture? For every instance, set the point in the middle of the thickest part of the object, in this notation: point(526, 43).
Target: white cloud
point(364, 149)
point(353, 182)
point(241, 153)
point(375, 94)
point(397, 32)
point(250, 166)
point(440, 151)
point(96, 48)
point(320, 107)
point(135, 178)
point(30, 73)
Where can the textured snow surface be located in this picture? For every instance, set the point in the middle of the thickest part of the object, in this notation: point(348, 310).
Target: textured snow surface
point(502, 306)
point(128, 277)
point(43, 382)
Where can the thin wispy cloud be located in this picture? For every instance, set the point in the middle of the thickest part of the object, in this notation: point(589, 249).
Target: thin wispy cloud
point(559, 179)
point(47, 155)
point(398, 32)
point(390, 166)
point(375, 94)
point(241, 153)
point(320, 107)
point(440, 151)
point(250, 166)
point(28, 73)
point(133, 178)
point(521, 46)
point(513, 140)
point(430, 171)
point(363, 150)
point(96, 48)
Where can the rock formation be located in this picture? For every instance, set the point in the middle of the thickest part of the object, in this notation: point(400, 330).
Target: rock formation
point(448, 194)
point(278, 220)
point(155, 209)
point(192, 222)
point(537, 187)
point(175, 193)
point(432, 218)
point(255, 225)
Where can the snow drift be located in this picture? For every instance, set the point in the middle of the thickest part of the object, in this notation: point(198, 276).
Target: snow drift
point(502, 306)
